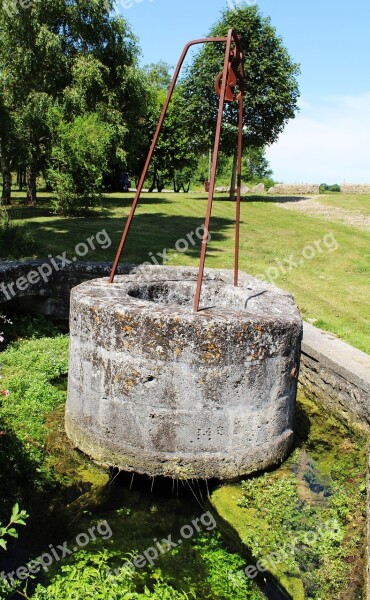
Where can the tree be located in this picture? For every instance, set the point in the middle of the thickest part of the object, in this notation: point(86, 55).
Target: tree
point(32, 72)
point(174, 160)
point(271, 87)
point(256, 165)
point(79, 160)
point(74, 56)
point(5, 132)
point(159, 75)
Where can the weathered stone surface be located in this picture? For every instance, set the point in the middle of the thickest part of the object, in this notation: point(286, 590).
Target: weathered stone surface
point(336, 374)
point(50, 294)
point(157, 389)
point(295, 189)
point(258, 189)
point(351, 188)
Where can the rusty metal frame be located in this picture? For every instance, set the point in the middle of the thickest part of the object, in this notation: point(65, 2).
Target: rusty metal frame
point(231, 76)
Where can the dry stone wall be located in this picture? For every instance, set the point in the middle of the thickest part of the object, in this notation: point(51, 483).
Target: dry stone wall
point(349, 188)
point(296, 188)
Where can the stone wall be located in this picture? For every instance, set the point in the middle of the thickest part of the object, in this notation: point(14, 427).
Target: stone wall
point(348, 188)
point(337, 375)
point(295, 189)
point(27, 286)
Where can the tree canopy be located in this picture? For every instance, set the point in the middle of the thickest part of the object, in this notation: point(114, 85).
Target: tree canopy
point(64, 62)
point(76, 106)
point(271, 87)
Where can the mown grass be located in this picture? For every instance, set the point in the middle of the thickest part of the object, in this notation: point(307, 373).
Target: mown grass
point(331, 287)
point(353, 203)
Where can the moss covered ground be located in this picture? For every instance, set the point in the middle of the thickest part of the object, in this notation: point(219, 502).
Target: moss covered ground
point(306, 520)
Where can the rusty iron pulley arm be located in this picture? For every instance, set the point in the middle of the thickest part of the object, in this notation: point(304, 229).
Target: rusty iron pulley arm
point(229, 86)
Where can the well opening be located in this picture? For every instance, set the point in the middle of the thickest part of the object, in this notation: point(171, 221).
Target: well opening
point(181, 293)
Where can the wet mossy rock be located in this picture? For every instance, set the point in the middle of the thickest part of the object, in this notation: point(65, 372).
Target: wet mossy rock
point(157, 389)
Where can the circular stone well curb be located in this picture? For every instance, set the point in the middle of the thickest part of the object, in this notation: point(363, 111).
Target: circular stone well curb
point(156, 389)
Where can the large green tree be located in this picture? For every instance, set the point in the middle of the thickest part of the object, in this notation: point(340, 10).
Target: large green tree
point(174, 160)
point(271, 87)
point(67, 58)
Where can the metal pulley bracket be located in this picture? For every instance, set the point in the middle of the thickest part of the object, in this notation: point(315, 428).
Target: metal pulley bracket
point(235, 77)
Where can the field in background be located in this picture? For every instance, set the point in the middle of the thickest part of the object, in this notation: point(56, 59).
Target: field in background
point(326, 264)
point(355, 203)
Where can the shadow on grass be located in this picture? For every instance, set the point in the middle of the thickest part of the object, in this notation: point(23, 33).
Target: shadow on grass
point(149, 235)
point(20, 209)
point(274, 199)
point(17, 469)
point(18, 212)
point(126, 200)
point(302, 426)
point(252, 198)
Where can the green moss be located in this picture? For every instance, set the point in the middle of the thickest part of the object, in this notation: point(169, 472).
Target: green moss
point(246, 523)
point(309, 515)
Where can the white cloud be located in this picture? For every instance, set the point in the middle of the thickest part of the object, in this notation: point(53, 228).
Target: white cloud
point(329, 141)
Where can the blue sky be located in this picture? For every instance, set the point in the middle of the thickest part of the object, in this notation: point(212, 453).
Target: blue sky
point(330, 138)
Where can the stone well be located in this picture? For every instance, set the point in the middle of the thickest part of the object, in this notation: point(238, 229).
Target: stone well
point(156, 389)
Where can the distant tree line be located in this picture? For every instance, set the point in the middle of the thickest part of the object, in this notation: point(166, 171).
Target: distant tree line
point(76, 107)
point(324, 187)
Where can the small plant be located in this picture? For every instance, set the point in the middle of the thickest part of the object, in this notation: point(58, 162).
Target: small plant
point(87, 578)
point(17, 518)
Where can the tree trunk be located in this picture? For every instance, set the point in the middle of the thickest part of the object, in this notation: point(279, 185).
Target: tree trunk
point(176, 188)
point(160, 184)
point(31, 184)
point(233, 175)
point(48, 187)
point(154, 182)
point(7, 184)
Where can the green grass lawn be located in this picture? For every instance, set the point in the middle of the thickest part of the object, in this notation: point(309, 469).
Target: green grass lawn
point(330, 286)
point(355, 203)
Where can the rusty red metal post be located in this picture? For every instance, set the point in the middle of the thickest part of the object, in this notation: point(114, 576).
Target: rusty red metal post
point(232, 77)
point(213, 172)
point(238, 193)
point(152, 147)
point(226, 84)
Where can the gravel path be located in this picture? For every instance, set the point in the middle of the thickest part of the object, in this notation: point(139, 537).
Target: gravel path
point(312, 207)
